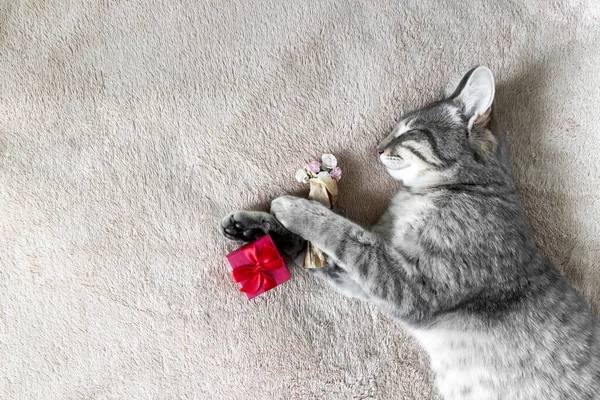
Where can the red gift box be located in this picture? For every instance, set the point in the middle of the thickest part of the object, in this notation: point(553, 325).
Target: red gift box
point(258, 267)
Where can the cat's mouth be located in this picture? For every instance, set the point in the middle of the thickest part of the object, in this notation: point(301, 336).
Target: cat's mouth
point(396, 168)
point(393, 162)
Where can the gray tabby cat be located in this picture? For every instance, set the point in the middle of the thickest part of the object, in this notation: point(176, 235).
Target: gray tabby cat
point(453, 259)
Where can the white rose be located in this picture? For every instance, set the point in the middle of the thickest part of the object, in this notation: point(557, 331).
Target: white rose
point(324, 174)
point(328, 161)
point(301, 175)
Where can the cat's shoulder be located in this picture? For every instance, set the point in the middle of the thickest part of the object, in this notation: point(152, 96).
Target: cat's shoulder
point(464, 204)
point(449, 205)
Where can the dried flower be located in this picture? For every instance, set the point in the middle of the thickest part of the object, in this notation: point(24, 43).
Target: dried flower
point(301, 175)
point(324, 174)
point(329, 161)
point(314, 166)
point(336, 173)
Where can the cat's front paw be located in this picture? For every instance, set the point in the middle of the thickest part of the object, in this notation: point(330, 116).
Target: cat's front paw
point(296, 214)
point(245, 225)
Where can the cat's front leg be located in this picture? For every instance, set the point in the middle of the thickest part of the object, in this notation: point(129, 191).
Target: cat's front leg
point(314, 222)
point(301, 216)
point(370, 261)
point(250, 225)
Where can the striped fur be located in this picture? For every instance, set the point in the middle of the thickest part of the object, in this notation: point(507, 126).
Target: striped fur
point(453, 259)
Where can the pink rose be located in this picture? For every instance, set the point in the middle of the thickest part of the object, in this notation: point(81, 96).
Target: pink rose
point(336, 173)
point(314, 166)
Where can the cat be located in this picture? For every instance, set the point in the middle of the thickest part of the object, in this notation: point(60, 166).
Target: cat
point(453, 259)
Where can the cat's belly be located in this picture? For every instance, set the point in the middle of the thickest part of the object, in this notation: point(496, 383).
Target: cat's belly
point(482, 367)
point(454, 359)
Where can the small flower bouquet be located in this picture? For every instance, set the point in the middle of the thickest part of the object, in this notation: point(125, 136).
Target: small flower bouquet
point(322, 177)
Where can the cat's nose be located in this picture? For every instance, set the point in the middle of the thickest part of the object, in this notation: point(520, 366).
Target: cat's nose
point(379, 152)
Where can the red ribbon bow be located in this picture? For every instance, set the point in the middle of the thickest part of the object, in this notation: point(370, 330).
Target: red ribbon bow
point(265, 259)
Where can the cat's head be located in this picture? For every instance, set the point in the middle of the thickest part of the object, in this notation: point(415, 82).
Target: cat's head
point(446, 142)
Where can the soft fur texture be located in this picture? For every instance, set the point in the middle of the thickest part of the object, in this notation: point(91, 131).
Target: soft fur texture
point(128, 130)
point(453, 259)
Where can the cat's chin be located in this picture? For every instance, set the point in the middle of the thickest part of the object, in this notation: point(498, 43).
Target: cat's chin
point(415, 178)
point(395, 173)
point(405, 174)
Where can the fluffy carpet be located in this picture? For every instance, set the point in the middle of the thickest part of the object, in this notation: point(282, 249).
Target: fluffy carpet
point(128, 129)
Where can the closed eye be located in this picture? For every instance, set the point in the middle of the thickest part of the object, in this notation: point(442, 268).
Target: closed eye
point(422, 144)
point(422, 152)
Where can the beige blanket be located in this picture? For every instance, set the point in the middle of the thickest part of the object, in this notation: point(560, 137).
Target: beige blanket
point(129, 128)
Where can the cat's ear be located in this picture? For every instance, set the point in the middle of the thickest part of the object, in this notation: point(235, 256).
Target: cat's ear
point(475, 94)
